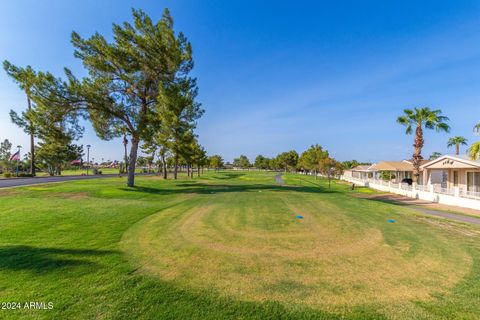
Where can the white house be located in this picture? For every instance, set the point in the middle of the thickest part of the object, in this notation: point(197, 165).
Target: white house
point(458, 172)
point(450, 180)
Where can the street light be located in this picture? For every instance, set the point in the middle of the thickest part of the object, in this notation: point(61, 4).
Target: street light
point(18, 158)
point(88, 157)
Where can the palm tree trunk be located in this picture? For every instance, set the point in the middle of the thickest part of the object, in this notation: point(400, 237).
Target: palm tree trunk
point(417, 153)
point(457, 149)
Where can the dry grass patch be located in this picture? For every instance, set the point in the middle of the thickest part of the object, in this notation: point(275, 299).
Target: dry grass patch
point(252, 247)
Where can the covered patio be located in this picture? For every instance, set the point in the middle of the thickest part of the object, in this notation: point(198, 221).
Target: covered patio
point(399, 170)
point(362, 172)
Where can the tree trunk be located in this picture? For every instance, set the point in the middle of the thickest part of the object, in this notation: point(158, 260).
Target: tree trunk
point(457, 149)
point(133, 161)
point(32, 142)
point(175, 169)
point(32, 155)
point(164, 164)
point(125, 142)
point(198, 172)
point(417, 154)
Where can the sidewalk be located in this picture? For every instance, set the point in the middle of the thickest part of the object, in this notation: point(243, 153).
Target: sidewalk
point(461, 214)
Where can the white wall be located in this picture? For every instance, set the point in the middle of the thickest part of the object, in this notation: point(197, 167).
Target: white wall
point(452, 200)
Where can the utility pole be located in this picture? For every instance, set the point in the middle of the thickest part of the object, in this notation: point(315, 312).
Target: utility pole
point(88, 157)
point(18, 161)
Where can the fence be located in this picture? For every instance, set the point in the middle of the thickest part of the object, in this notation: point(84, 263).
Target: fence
point(433, 193)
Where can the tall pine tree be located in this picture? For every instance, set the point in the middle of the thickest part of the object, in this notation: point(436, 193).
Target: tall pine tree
point(120, 94)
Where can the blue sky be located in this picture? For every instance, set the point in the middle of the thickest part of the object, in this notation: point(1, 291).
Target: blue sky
point(281, 75)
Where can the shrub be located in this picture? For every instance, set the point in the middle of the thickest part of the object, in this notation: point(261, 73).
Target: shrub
point(7, 174)
point(23, 174)
point(387, 176)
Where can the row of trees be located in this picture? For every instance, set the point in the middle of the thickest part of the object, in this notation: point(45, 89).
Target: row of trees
point(313, 160)
point(139, 85)
point(349, 164)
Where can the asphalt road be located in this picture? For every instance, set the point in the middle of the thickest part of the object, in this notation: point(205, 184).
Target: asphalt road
point(5, 183)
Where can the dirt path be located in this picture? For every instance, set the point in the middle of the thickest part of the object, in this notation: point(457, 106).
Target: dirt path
point(279, 179)
point(430, 208)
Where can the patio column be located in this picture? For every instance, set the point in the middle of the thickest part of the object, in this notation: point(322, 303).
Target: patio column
point(456, 192)
point(425, 177)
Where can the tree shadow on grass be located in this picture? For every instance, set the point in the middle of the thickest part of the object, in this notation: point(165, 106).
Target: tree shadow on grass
point(404, 202)
point(229, 175)
point(202, 188)
point(41, 260)
point(168, 301)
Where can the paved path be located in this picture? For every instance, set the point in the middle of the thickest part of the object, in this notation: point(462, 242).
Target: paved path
point(452, 216)
point(428, 208)
point(279, 179)
point(5, 183)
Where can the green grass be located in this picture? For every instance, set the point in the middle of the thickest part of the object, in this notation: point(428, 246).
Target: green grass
point(228, 245)
point(78, 172)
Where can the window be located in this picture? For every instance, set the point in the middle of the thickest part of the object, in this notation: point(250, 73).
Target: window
point(455, 178)
point(470, 181)
point(477, 182)
point(473, 181)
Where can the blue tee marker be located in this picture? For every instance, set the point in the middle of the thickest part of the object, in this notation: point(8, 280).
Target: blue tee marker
point(390, 221)
point(299, 217)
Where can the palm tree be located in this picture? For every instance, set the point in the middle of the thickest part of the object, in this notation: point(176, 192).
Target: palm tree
point(474, 150)
point(421, 118)
point(457, 141)
point(476, 129)
point(25, 78)
point(435, 155)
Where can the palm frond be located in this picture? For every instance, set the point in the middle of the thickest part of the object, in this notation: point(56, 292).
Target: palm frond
point(474, 150)
point(442, 127)
point(405, 121)
point(477, 128)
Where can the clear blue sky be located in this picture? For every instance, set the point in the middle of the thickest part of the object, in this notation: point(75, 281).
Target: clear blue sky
point(276, 76)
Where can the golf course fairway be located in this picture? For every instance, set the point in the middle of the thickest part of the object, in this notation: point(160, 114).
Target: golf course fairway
point(231, 245)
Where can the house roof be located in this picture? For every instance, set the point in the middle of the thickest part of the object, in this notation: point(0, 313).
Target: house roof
point(393, 166)
point(361, 168)
point(422, 162)
point(452, 161)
